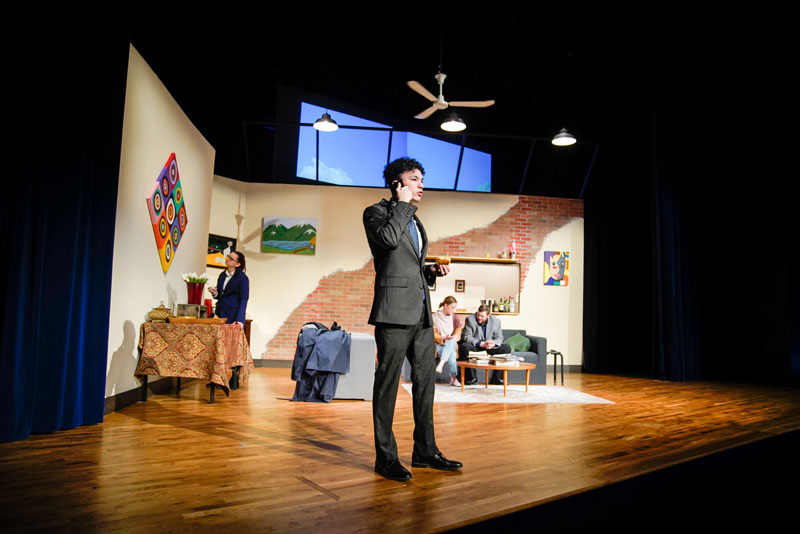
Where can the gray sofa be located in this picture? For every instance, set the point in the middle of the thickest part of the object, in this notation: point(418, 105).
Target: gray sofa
point(537, 355)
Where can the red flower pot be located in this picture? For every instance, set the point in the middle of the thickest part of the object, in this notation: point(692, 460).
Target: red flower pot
point(195, 291)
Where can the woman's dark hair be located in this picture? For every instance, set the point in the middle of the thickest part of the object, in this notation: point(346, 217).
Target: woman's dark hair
point(448, 300)
point(393, 170)
point(242, 263)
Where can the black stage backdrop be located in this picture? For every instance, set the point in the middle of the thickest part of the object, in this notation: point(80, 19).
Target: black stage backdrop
point(692, 253)
point(58, 220)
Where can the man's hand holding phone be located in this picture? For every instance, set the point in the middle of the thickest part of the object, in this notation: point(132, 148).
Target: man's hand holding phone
point(401, 192)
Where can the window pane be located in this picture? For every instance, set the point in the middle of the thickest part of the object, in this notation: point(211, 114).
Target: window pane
point(476, 171)
point(347, 157)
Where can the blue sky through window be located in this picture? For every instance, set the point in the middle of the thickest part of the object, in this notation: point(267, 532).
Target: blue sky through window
point(357, 157)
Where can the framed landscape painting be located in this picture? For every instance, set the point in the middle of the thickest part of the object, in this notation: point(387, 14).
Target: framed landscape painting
point(286, 235)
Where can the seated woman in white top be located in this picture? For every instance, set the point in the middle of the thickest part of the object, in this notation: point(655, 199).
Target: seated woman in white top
point(447, 333)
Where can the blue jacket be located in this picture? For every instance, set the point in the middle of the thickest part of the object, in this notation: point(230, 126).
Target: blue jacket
point(232, 301)
point(320, 356)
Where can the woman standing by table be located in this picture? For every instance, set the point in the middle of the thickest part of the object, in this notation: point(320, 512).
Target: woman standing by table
point(447, 333)
point(232, 290)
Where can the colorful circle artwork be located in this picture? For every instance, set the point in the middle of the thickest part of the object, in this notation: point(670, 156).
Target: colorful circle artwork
point(167, 210)
point(182, 219)
point(173, 171)
point(170, 212)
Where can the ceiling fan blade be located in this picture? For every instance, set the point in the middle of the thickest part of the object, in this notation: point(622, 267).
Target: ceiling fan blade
point(427, 113)
point(416, 86)
point(476, 104)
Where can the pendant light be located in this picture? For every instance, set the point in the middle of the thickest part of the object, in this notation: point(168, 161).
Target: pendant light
point(563, 138)
point(453, 123)
point(326, 123)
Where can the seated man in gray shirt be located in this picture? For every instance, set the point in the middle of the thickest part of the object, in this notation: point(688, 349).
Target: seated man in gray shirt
point(482, 331)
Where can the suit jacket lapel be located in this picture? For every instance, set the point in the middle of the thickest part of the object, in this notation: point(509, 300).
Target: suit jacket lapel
point(411, 241)
point(230, 284)
point(424, 239)
point(220, 284)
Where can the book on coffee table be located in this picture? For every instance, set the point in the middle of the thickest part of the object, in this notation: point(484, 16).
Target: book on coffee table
point(503, 363)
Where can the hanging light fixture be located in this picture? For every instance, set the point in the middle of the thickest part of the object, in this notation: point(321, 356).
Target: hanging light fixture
point(453, 123)
point(326, 123)
point(564, 138)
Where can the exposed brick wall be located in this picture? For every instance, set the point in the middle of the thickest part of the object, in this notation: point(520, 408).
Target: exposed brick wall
point(346, 297)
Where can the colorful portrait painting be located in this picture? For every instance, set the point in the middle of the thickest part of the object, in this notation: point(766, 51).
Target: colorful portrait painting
point(286, 235)
point(556, 268)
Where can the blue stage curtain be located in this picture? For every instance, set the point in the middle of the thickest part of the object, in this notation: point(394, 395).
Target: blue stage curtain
point(675, 338)
point(58, 222)
point(676, 354)
point(719, 230)
point(640, 303)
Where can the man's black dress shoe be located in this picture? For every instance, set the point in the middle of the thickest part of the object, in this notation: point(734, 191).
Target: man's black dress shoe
point(392, 470)
point(437, 461)
point(496, 380)
point(471, 382)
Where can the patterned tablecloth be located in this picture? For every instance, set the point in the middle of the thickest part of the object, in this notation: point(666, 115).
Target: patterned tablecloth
point(205, 351)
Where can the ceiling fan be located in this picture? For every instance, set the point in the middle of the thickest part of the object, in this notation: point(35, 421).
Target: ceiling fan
point(441, 103)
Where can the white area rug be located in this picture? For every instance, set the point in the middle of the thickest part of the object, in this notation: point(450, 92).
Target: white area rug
point(516, 395)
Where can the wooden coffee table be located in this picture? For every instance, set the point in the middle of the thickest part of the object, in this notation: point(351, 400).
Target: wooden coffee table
point(522, 366)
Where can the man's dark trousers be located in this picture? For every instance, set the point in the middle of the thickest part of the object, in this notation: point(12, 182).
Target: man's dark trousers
point(394, 343)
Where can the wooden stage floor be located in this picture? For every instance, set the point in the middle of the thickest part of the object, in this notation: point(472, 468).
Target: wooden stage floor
point(255, 462)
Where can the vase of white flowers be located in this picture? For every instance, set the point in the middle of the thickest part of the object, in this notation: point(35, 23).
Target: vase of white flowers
point(194, 286)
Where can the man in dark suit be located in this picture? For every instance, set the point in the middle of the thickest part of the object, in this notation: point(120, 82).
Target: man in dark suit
point(482, 331)
point(402, 318)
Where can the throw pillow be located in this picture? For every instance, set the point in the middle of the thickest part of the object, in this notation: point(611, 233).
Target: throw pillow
point(518, 343)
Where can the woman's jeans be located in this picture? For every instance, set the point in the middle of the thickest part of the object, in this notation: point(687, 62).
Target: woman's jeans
point(449, 354)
